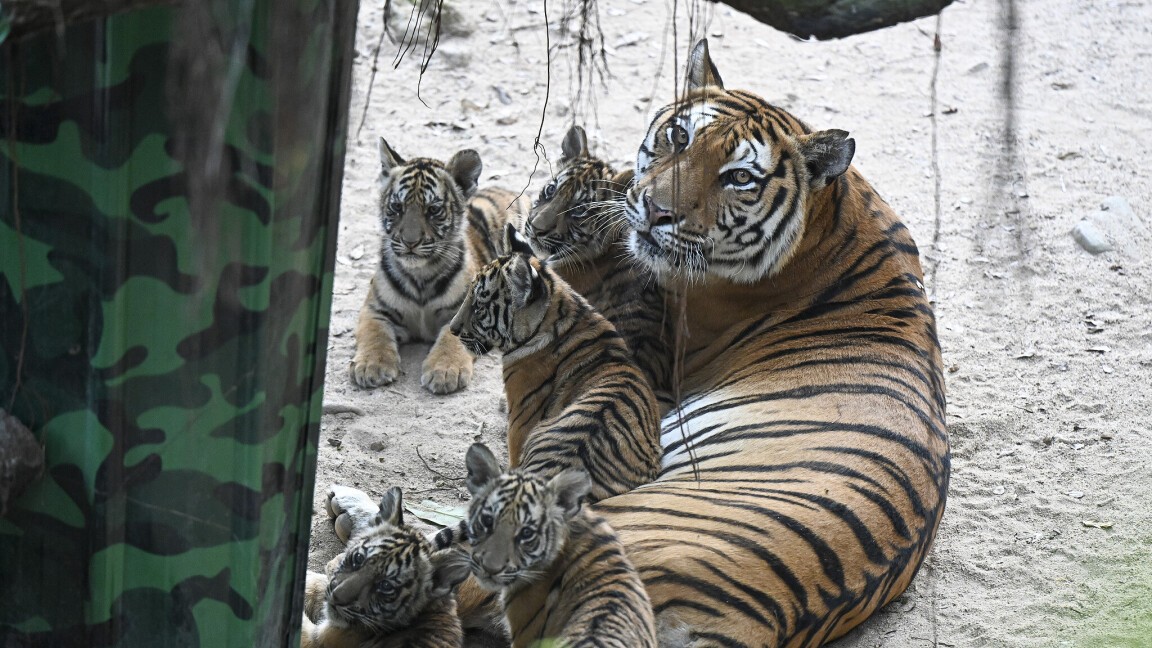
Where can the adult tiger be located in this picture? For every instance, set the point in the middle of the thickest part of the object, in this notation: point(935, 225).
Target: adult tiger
point(577, 224)
point(806, 467)
point(438, 231)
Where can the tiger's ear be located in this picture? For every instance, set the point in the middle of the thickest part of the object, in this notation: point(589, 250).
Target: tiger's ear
point(392, 507)
point(513, 242)
point(449, 568)
point(701, 71)
point(482, 467)
point(527, 285)
point(465, 168)
point(569, 489)
point(575, 144)
point(827, 155)
point(389, 159)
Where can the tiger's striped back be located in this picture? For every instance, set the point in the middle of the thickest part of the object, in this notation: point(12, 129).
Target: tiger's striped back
point(806, 468)
point(576, 398)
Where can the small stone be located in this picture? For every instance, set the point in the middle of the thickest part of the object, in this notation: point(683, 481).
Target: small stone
point(999, 490)
point(334, 442)
point(1076, 494)
point(1091, 238)
point(377, 446)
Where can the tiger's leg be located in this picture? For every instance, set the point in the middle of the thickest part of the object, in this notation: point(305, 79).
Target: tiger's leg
point(315, 589)
point(377, 359)
point(448, 367)
point(479, 609)
point(352, 511)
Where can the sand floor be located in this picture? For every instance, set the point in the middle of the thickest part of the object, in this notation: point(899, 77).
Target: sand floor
point(1048, 348)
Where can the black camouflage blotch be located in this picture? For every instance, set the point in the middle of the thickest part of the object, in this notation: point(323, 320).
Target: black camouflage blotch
point(133, 357)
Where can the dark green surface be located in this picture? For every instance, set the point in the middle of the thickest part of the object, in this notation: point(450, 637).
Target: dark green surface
point(172, 365)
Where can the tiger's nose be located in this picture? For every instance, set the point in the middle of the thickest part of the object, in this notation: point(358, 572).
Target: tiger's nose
point(658, 215)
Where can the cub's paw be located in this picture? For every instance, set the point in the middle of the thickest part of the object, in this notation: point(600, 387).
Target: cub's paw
point(352, 510)
point(446, 377)
point(374, 372)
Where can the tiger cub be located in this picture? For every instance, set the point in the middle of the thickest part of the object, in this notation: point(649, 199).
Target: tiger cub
point(389, 589)
point(437, 232)
point(561, 569)
point(577, 223)
point(576, 398)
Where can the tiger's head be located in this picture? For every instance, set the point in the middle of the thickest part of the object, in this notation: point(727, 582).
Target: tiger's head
point(507, 303)
point(576, 215)
point(422, 204)
point(387, 575)
point(724, 180)
point(517, 521)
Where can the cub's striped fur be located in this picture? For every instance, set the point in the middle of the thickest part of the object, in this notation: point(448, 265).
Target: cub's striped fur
point(575, 396)
point(438, 230)
point(389, 589)
point(577, 225)
point(806, 467)
point(562, 571)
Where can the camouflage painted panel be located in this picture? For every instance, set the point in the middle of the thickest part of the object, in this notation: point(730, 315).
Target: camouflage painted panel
point(163, 331)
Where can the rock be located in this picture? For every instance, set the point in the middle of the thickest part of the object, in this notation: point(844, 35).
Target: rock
point(1091, 238)
point(21, 459)
point(1114, 227)
point(377, 446)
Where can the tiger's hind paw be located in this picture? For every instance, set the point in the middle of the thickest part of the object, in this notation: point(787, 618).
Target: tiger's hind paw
point(352, 511)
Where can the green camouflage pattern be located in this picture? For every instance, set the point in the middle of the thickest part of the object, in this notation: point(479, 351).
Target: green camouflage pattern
point(171, 365)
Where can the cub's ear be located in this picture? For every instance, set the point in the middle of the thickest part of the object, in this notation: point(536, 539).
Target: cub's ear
point(389, 159)
point(701, 71)
point(575, 144)
point(827, 155)
point(513, 243)
point(482, 467)
point(449, 568)
point(392, 507)
point(527, 284)
point(569, 489)
point(465, 168)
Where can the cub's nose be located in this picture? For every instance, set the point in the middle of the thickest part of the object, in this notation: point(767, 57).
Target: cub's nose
point(658, 215)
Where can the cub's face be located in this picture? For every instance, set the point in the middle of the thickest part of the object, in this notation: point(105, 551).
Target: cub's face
point(389, 574)
point(568, 224)
point(422, 204)
point(504, 305)
point(723, 180)
point(517, 522)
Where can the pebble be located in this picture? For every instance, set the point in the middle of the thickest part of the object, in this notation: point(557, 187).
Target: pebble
point(1114, 227)
point(1091, 238)
point(999, 490)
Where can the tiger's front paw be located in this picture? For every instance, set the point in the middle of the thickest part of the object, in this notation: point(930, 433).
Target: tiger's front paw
point(447, 375)
point(374, 372)
point(352, 510)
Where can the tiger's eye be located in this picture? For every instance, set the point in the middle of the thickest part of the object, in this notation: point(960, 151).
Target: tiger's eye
point(434, 210)
point(678, 137)
point(527, 534)
point(549, 191)
point(741, 177)
point(357, 560)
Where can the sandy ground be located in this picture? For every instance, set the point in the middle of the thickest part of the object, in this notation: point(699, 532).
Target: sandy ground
point(1048, 348)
